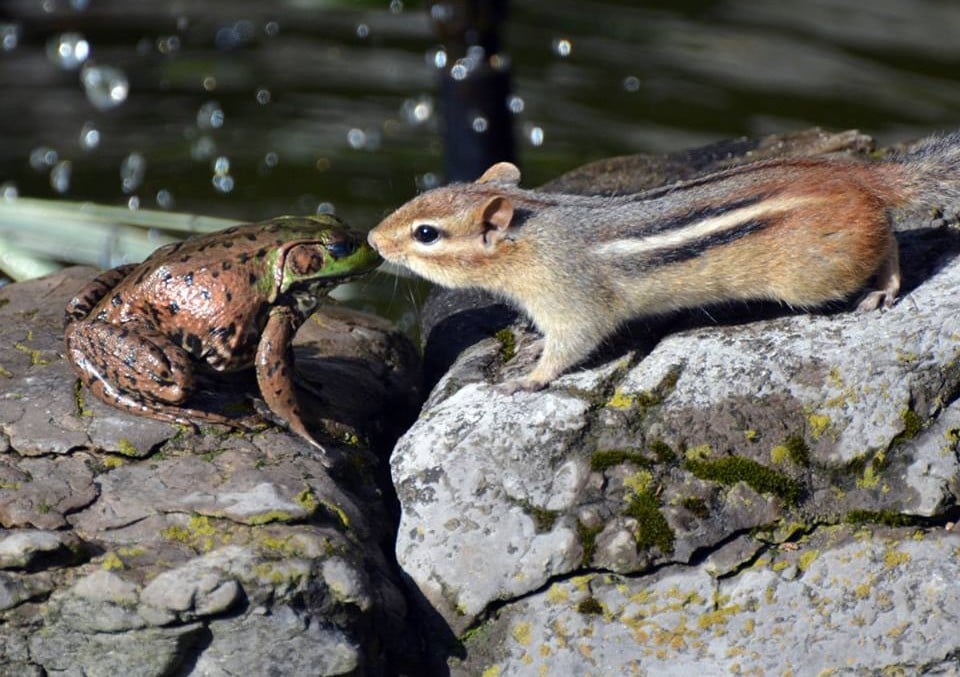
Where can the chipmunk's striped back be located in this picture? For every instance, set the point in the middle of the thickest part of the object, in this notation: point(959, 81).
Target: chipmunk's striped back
point(799, 231)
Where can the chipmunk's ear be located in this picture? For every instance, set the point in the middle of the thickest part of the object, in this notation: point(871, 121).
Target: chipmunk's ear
point(502, 172)
point(496, 214)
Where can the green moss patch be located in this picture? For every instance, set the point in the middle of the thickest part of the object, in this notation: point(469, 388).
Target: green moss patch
point(588, 541)
point(508, 344)
point(652, 527)
point(603, 459)
point(732, 469)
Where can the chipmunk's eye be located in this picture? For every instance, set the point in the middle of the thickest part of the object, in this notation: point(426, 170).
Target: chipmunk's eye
point(426, 234)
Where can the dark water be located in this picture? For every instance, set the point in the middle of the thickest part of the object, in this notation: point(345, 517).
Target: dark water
point(250, 109)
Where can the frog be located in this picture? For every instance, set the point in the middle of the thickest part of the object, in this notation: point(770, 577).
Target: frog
point(138, 334)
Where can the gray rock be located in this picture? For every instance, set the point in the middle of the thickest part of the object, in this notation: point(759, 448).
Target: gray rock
point(143, 548)
point(682, 501)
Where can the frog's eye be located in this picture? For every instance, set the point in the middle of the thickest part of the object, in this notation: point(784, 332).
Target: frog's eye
point(340, 249)
point(426, 234)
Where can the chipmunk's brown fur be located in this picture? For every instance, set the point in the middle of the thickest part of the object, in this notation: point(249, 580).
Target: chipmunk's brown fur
point(799, 231)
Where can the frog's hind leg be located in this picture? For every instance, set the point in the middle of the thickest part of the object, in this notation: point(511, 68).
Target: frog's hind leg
point(80, 305)
point(136, 368)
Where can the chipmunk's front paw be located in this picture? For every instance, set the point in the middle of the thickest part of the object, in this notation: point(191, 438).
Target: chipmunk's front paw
point(520, 384)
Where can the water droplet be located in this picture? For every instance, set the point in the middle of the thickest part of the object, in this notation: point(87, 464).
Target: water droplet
point(271, 29)
point(133, 204)
point(164, 199)
point(89, 136)
point(631, 83)
point(357, 138)
point(43, 157)
point(203, 148)
point(168, 44)
point(534, 134)
point(516, 104)
point(441, 11)
point(9, 36)
point(48, 6)
point(363, 31)
point(221, 165)
point(417, 111)
point(438, 58)
point(223, 183)
point(271, 159)
point(209, 83)
point(479, 124)
point(231, 37)
point(9, 190)
point(562, 47)
point(68, 50)
point(396, 6)
point(106, 87)
point(459, 71)
point(427, 181)
point(60, 176)
point(263, 96)
point(210, 116)
point(132, 170)
point(326, 208)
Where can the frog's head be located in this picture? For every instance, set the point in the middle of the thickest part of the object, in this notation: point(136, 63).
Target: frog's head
point(319, 252)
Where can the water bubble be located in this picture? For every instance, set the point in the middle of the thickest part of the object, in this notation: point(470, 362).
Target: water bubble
point(516, 104)
point(60, 176)
point(48, 6)
point(271, 29)
point(133, 204)
point(209, 83)
point(221, 165)
point(357, 138)
point(562, 47)
point(534, 135)
point(210, 116)
point(168, 44)
point(326, 208)
point(9, 36)
point(106, 87)
point(203, 148)
point(263, 96)
point(459, 71)
point(271, 159)
point(164, 199)
point(223, 183)
point(68, 50)
point(631, 83)
point(363, 31)
point(441, 11)
point(417, 111)
point(479, 124)
point(438, 58)
point(89, 136)
point(427, 181)
point(396, 6)
point(231, 37)
point(132, 170)
point(9, 191)
point(43, 157)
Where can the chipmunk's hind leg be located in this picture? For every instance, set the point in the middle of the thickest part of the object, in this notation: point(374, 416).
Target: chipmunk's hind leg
point(887, 282)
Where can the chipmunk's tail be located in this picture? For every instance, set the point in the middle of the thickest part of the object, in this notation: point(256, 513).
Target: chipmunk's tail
point(929, 172)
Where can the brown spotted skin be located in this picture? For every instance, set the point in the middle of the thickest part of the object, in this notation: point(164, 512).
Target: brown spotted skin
point(225, 301)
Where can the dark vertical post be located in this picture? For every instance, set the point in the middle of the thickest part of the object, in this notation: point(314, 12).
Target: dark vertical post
point(474, 86)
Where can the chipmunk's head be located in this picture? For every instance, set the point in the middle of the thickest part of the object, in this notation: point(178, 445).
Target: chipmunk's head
point(449, 235)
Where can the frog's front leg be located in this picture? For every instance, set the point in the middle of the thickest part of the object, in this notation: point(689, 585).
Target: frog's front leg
point(136, 368)
point(80, 305)
point(275, 371)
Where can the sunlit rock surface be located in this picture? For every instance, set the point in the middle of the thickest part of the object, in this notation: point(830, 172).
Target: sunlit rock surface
point(727, 491)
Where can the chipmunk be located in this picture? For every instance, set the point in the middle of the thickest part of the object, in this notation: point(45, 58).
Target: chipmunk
point(799, 231)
